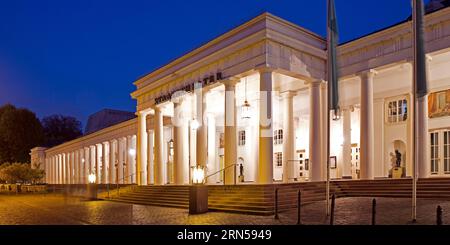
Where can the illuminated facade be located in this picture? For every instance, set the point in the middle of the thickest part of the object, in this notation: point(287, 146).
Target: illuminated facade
point(250, 107)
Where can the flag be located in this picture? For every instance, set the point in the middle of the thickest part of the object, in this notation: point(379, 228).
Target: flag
point(333, 75)
point(419, 50)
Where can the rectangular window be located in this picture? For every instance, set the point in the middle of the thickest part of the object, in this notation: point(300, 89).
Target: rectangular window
point(241, 141)
point(447, 152)
point(279, 159)
point(434, 153)
point(278, 137)
point(397, 111)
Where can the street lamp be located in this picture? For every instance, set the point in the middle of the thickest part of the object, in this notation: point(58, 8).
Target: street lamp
point(92, 178)
point(198, 192)
point(198, 176)
point(91, 193)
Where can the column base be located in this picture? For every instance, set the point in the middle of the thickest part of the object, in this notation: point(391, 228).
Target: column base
point(198, 199)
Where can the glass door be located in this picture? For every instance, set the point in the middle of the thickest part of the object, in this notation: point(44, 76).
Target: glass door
point(434, 153)
point(440, 153)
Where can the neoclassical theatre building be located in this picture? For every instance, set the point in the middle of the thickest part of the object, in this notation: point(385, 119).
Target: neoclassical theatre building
point(250, 107)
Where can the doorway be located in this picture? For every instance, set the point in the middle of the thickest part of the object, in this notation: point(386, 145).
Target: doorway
point(440, 153)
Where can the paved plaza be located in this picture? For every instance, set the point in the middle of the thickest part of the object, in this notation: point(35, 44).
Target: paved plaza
point(56, 209)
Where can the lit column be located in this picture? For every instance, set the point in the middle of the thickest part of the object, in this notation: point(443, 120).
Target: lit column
point(202, 131)
point(112, 162)
point(95, 162)
point(56, 170)
point(121, 146)
point(324, 127)
point(81, 166)
point(230, 131)
point(367, 125)
point(265, 169)
point(180, 123)
point(423, 137)
point(127, 177)
point(67, 166)
point(76, 167)
point(141, 146)
point(315, 140)
point(87, 164)
point(347, 144)
point(104, 163)
point(150, 158)
point(288, 136)
point(158, 160)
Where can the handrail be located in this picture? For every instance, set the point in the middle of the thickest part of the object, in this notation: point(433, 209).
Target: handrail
point(223, 170)
point(118, 183)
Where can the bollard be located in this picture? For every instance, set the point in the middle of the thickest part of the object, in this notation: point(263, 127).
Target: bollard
point(299, 208)
point(374, 211)
point(439, 215)
point(276, 204)
point(333, 200)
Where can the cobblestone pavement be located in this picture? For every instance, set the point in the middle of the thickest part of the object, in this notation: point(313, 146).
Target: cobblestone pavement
point(51, 209)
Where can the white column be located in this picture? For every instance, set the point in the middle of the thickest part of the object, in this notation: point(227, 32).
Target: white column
point(104, 163)
point(180, 123)
point(150, 158)
point(211, 157)
point(347, 144)
point(288, 136)
point(128, 162)
point(423, 141)
point(265, 170)
point(76, 167)
point(121, 146)
point(81, 166)
point(67, 166)
point(158, 167)
point(315, 140)
point(230, 131)
point(87, 162)
point(324, 127)
point(96, 163)
point(111, 162)
point(141, 149)
point(202, 131)
point(367, 126)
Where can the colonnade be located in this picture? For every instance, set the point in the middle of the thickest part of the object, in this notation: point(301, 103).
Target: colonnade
point(111, 161)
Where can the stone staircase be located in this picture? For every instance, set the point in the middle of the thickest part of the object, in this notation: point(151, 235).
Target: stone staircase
point(260, 199)
point(436, 188)
point(250, 199)
point(164, 196)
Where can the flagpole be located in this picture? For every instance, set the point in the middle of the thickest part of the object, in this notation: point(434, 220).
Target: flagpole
point(414, 100)
point(327, 185)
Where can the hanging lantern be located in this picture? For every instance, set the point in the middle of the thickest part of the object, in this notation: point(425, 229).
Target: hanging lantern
point(246, 108)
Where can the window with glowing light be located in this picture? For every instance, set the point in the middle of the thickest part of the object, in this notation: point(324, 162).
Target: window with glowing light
point(397, 110)
point(278, 137)
point(241, 140)
point(279, 159)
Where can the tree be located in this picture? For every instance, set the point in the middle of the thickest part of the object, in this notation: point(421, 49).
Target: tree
point(59, 129)
point(20, 131)
point(20, 173)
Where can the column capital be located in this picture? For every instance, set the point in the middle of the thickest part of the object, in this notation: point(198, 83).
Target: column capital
point(288, 94)
point(368, 73)
point(231, 81)
point(178, 100)
point(265, 69)
point(315, 82)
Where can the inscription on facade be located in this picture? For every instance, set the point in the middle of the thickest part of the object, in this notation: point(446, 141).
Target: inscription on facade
point(190, 87)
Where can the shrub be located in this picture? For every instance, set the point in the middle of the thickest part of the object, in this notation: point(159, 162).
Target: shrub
point(20, 173)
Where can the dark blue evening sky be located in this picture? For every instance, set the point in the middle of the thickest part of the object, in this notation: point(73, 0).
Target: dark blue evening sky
point(78, 57)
